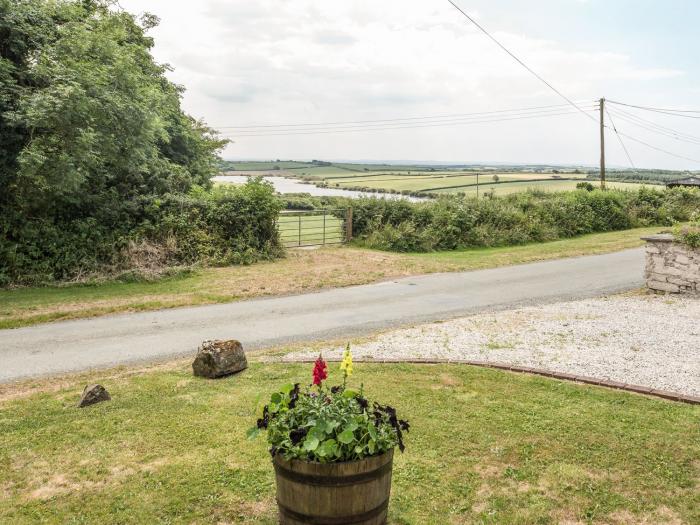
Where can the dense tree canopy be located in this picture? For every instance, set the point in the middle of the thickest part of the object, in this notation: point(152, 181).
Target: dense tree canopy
point(89, 124)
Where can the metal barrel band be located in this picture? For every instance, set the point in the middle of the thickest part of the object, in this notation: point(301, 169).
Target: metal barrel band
point(333, 481)
point(345, 520)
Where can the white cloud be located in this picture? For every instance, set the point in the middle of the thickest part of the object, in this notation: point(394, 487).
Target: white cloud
point(291, 61)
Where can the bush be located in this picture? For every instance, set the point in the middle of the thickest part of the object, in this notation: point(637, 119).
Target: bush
point(457, 222)
point(689, 234)
point(225, 225)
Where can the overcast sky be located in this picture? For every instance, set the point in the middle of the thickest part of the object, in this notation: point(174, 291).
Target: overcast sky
point(269, 62)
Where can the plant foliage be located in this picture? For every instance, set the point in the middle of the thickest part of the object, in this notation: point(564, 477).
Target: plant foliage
point(96, 152)
point(328, 425)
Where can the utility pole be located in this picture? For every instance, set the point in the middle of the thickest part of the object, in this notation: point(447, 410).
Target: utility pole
point(602, 144)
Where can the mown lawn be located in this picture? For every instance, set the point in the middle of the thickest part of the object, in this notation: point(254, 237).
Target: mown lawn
point(302, 271)
point(485, 447)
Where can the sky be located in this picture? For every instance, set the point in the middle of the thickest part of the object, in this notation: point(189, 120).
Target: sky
point(291, 62)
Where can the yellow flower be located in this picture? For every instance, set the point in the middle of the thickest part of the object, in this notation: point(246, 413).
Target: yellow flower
point(346, 363)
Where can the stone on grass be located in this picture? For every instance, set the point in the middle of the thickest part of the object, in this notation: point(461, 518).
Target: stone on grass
point(219, 358)
point(93, 394)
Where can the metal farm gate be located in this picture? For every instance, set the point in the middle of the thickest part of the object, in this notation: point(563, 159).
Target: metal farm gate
point(315, 227)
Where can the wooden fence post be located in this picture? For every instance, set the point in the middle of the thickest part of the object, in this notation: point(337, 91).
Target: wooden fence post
point(348, 225)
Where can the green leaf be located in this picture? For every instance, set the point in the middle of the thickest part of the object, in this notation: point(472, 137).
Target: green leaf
point(350, 393)
point(371, 446)
point(286, 389)
point(311, 443)
point(372, 430)
point(327, 449)
point(276, 398)
point(346, 436)
point(253, 433)
point(331, 426)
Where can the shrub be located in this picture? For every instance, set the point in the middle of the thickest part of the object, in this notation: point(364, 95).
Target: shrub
point(220, 226)
point(451, 222)
point(689, 234)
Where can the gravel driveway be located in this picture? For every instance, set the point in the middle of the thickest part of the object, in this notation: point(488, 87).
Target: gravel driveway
point(650, 341)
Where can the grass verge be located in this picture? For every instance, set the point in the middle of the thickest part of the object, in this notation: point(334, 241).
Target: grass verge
point(485, 447)
point(302, 271)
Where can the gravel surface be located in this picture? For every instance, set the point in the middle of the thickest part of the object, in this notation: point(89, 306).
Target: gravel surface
point(651, 341)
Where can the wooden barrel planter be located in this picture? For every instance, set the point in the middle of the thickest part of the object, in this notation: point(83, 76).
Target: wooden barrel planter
point(348, 493)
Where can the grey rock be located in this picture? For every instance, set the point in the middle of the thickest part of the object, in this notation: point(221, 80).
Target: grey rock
point(93, 394)
point(663, 287)
point(219, 358)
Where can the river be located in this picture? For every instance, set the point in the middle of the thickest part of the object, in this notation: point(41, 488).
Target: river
point(283, 185)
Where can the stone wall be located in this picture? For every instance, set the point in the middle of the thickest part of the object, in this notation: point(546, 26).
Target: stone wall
point(671, 267)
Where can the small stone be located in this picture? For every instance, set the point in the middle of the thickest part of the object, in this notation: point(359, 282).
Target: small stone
point(219, 358)
point(93, 394)
point(663, 287)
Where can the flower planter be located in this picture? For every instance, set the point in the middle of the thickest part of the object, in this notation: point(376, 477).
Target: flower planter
point(351, 492)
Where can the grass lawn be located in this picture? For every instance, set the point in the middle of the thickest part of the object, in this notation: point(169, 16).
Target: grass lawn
point(302, 271)
point(485, 447)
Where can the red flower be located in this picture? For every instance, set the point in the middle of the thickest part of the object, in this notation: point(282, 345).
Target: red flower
point(320, 371)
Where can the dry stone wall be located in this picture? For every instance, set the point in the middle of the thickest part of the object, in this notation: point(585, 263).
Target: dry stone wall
point(672, 267)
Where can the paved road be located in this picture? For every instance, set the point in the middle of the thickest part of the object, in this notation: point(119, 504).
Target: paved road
point(107, 341)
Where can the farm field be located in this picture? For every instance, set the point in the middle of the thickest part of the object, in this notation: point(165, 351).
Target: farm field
point(171, 448)
point(430, 179)
point(519, 186)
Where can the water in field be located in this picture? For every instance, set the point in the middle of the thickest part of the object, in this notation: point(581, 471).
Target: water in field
point(283, 185)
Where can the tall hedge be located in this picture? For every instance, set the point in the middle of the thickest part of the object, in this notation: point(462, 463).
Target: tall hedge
point(452, 222)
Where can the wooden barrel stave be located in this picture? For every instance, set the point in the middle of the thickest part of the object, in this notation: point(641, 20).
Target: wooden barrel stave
point(350, 493)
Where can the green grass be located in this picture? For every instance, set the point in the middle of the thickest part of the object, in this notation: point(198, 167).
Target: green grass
point(485, 447)
point(446, 181)
point(506, 188)
point(300, 272)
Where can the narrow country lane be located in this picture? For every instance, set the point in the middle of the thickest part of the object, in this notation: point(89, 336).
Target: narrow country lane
point(120, 339)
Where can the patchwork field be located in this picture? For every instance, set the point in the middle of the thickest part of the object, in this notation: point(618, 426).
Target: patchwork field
point(428, 179)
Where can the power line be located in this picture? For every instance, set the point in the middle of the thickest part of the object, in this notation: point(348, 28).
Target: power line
point(287, 133)
point(673, 136)
point(536, 109)
point(550, 86)
point(658, 149)
point(673, 113)
point(654, 127)
point(620, 139)
point(405, 125)
point(656, 109)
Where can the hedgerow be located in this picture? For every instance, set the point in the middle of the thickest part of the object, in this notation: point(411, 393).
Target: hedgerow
point(450, 223)
point(144, 236)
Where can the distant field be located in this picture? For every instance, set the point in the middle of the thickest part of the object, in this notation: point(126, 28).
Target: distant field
point(553, 185)
point(429, 179)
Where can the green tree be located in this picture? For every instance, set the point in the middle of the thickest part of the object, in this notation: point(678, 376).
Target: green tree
point(89, 124)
